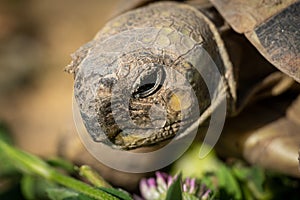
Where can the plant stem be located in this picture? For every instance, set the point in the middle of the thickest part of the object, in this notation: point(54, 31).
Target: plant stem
point(33, 165)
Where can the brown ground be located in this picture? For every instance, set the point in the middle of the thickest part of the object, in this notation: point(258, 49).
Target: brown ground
point(36, 39)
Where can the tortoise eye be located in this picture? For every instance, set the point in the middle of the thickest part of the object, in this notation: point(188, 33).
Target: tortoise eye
point(150, 84)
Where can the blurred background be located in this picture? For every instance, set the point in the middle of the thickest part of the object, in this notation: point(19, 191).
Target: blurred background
point(36, 40)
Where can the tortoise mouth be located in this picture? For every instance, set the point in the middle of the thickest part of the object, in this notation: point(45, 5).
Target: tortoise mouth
point(135, 138)
point(145, 137)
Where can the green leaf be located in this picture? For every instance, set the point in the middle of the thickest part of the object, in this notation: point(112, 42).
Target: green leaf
point(174, 191)
point(27, 187)
point(65, 194)
point(7, 169)
point(117, 193)
point(28, 163)
point(228, 182)
point(93, 177)
point(34, 187)
point(255, 183)
point(253, 179)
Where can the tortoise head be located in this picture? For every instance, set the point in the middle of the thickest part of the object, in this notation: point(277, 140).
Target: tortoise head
point(136, 98)
point(138, 83)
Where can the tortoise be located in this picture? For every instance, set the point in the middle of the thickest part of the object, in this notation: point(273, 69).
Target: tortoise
point(138, 84)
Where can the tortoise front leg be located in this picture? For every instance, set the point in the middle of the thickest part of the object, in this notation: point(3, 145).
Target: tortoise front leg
point(266, 134)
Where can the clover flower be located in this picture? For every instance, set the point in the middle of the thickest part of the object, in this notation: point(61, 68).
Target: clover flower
point(156, 188)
